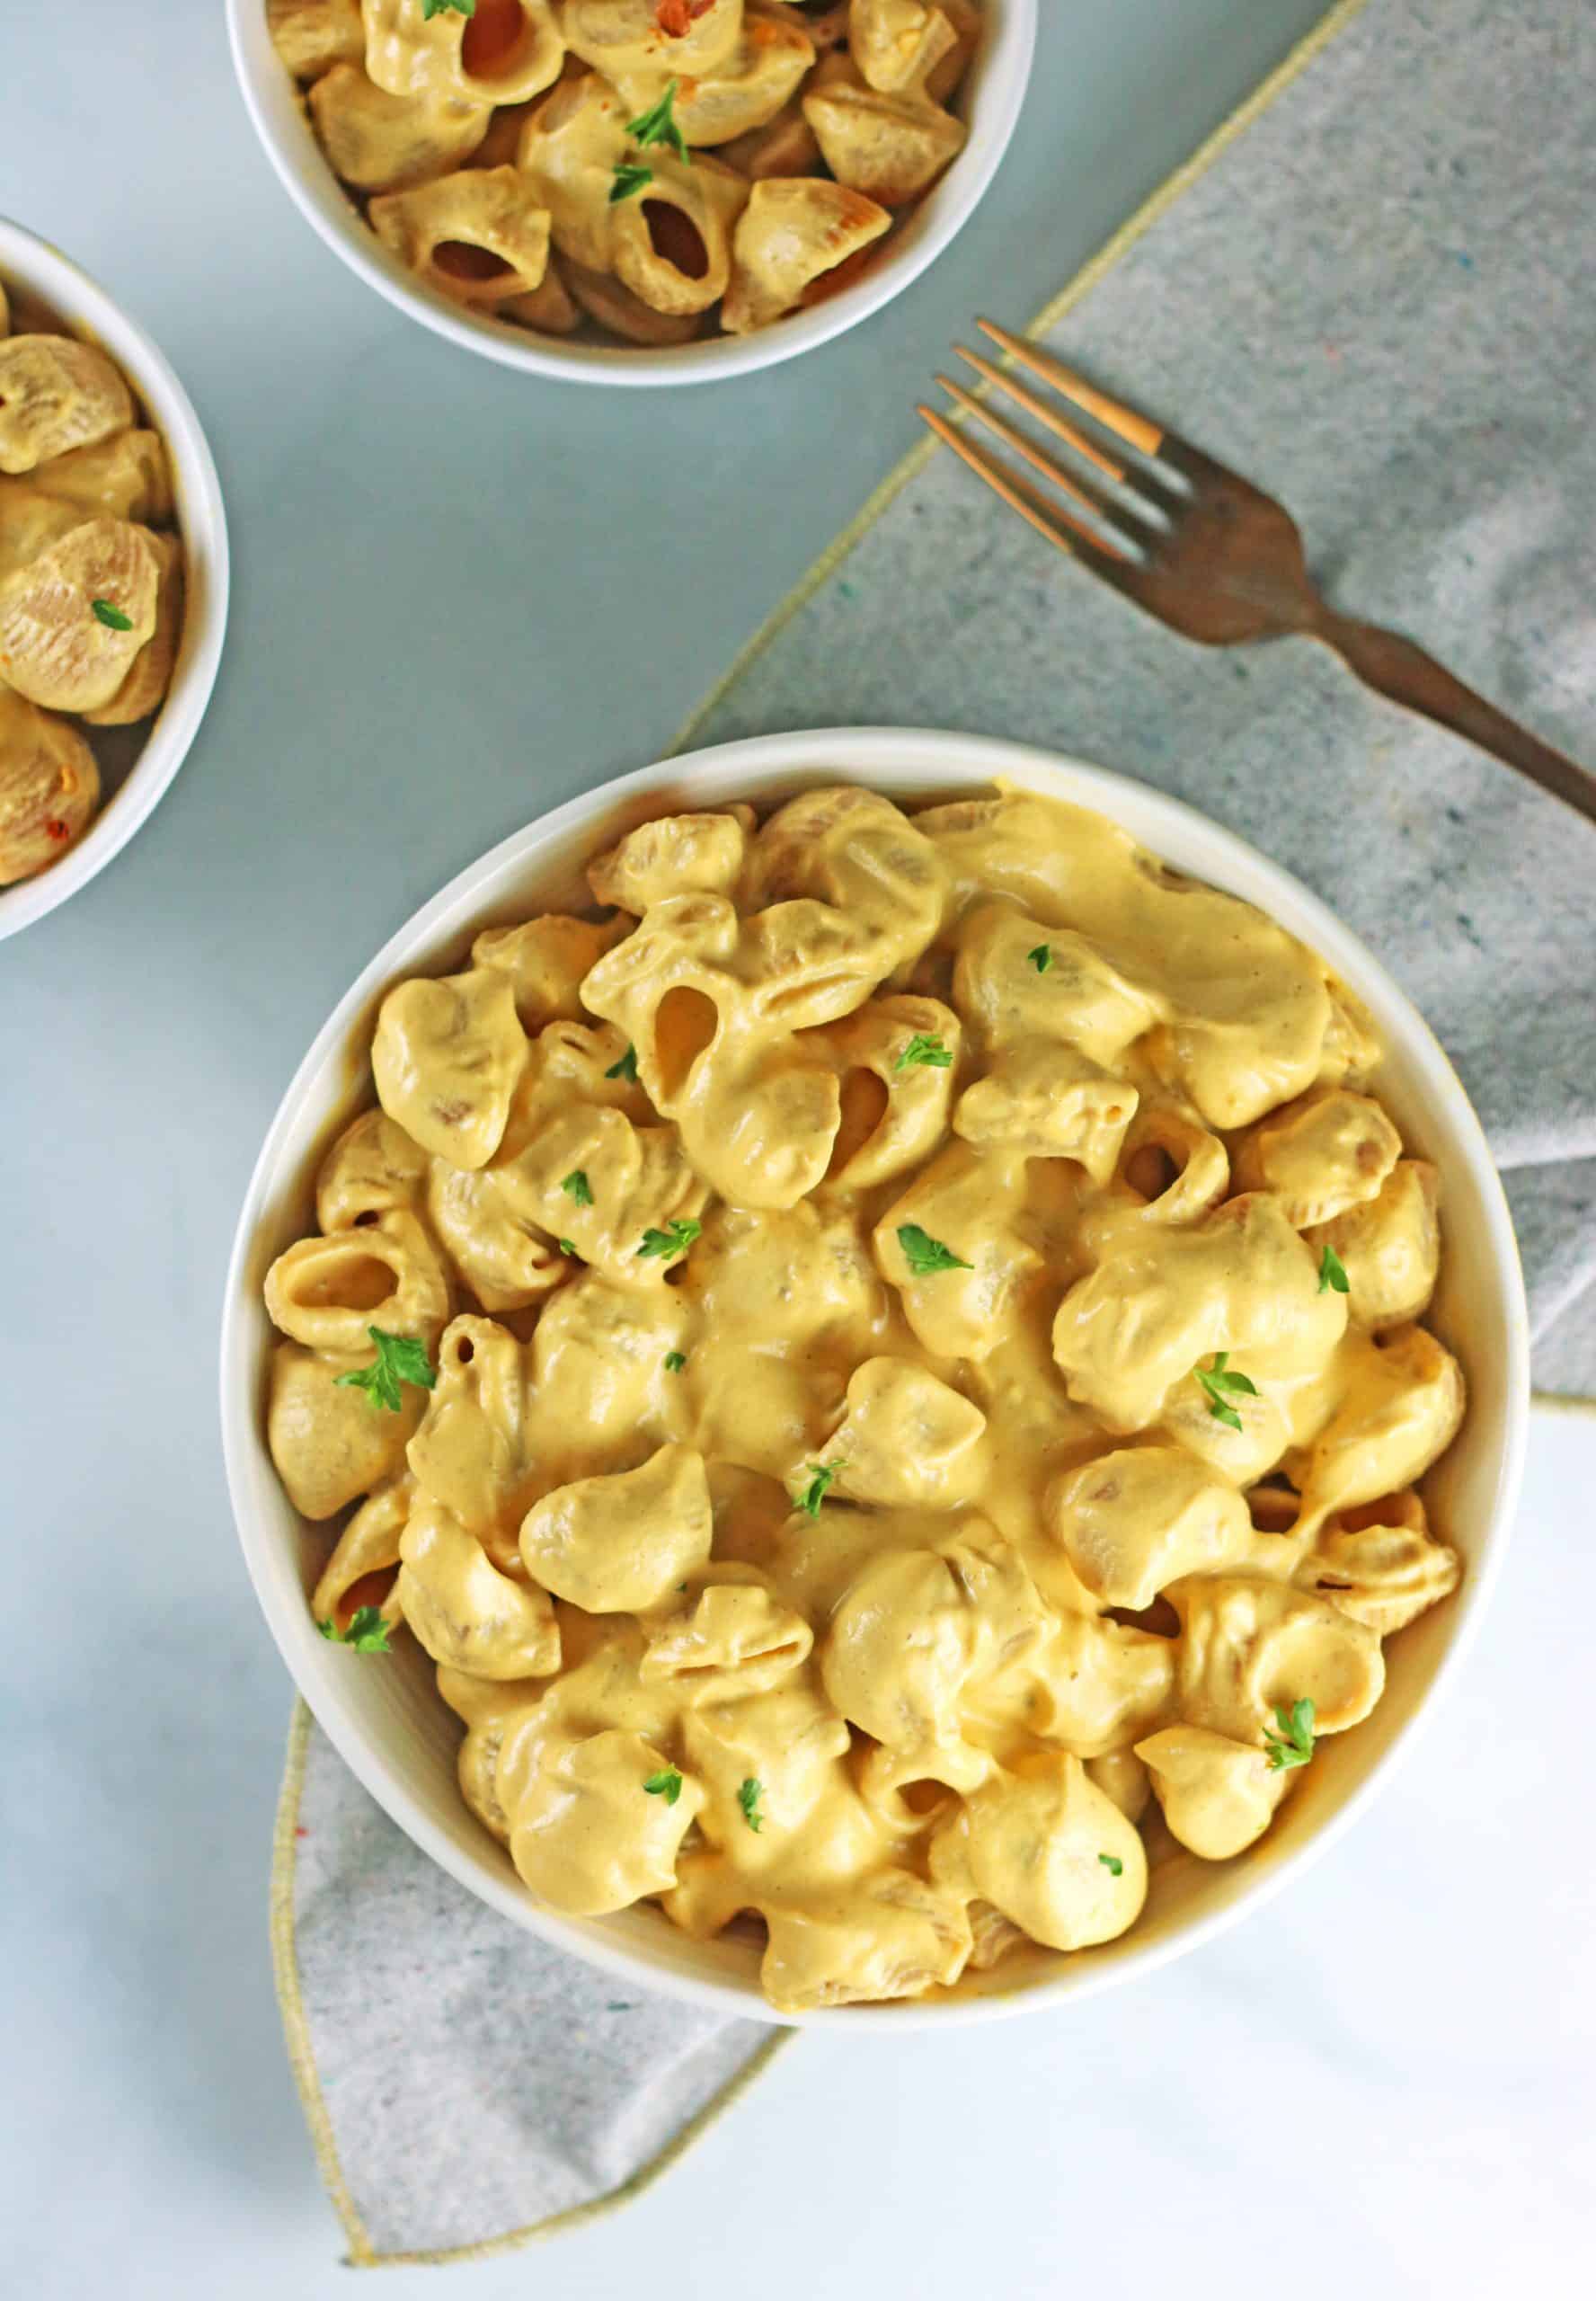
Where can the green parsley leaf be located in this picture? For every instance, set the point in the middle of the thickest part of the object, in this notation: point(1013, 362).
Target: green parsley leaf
point(1112, 1863)
point(673, 1240)
point(629, 178)
point(674, 1361)
point(1332, 1272)
point(667, 1785)
point(926, 1048)
point(1217, 1386)
point(368, 1632)
point(400, 1358)
point(658, 125)
point(430, 8)
point(568, 1247)
point(626, 1068)
point(1041, 957)
point(576, 1185)
point(748, 1798)
point(821, 1477)
point(924, 1254)
point(1294, 1744)
point(106, 612)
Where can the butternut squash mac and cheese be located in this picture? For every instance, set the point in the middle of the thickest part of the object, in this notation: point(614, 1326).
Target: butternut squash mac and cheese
point(639, 164)
point(90, 580)
point(886, 1372)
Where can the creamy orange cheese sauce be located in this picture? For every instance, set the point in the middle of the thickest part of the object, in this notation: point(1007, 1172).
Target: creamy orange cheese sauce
point(817, 1512)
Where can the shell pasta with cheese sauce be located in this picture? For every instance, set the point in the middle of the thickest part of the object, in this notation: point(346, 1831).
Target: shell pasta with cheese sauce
point(90, 581)
point(651, 171)
point(883, 1363)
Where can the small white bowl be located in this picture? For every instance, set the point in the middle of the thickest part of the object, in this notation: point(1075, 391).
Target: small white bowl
point(387, 1719)
point(83, 308)
point(989, 100)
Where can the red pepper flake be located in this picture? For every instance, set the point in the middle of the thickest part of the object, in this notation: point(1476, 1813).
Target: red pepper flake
point(56, 829)
point(676, 18)
point(301, 1832)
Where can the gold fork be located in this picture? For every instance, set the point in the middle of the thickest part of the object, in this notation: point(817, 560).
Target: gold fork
point(1201, 549)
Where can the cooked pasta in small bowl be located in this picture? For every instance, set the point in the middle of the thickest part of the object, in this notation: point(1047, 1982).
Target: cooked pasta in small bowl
point(114, 577)
point(873, 1372)
point(635, 191)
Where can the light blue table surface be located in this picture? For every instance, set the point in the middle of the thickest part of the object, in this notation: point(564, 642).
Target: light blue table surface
point(459, 596)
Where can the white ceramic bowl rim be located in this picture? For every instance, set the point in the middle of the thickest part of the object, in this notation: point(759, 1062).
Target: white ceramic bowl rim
point(1002, 71)
point(935, 760)
point(81, 303)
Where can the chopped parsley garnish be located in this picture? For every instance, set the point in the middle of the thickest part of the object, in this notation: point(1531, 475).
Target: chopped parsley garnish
point(1112, 1863)
point(674, 1361)
point(568, 1247)
point(673, 1240)
point(1294, 1744)
point(667, 1785)
point(629, 178)
point(626, 1068)
point(1041, 957)
point(400, 1358)
point(107, 612)
point(1220, 1387)
point(924, 1254)
point(368, 1632)
point(748, 1798)
point(430, 8)
point(1332, 1272)
point(658, 125)
point(926, 1048)
point(577, 1186)
point(821, 1477)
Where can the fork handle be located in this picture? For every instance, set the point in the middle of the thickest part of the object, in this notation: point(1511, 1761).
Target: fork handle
point(1394, 667)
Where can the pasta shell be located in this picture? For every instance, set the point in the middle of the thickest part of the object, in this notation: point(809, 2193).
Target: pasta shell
point(60, 644)
point(147, 683)
point(383, 143)
point(478, 237)
point(793, 233)
point(30, 521)
point(49, 786)
point(311, 36)
point(124, 477)
point(896, 44)
point(505, 51)
point(625, 314)
point(56, 394)
point(686, 37)
point(890, 148)
point(762, 71)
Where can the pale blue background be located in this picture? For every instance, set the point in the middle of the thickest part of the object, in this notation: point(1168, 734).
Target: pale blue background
point(461, 595)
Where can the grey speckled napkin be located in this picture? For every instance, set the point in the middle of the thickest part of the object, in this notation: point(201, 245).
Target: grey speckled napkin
point(467, 2086)
point(1372, 301)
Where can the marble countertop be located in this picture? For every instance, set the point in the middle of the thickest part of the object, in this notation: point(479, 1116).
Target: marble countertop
point(1385, 2081)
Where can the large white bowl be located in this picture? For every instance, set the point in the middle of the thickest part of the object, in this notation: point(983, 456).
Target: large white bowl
point(989, 101)
point(83, 306)
point(387, 1719)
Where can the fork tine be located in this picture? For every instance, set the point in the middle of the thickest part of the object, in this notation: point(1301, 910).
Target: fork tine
point(1123, 546)
point(1044, 414)
point(1042, 516)
point(1112, 413)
